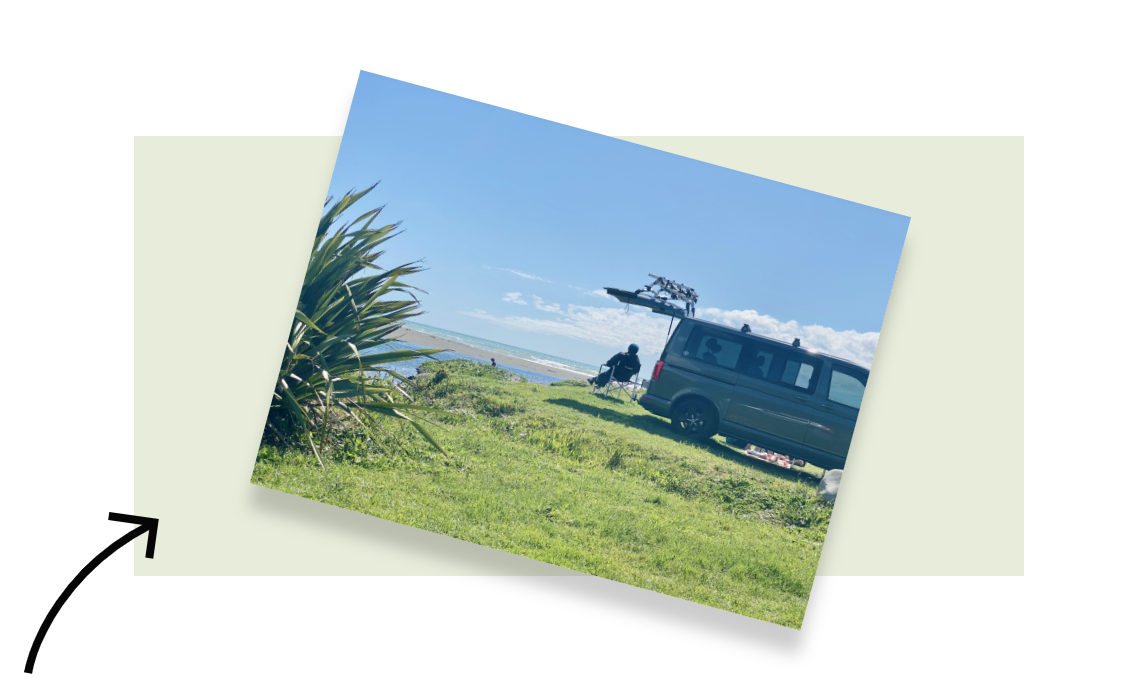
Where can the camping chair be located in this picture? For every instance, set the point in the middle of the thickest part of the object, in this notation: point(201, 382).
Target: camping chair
point(630, 386)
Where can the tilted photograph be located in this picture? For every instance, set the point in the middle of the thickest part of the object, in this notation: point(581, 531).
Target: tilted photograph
point(580, 350)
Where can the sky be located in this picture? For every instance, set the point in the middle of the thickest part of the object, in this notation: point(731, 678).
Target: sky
point(522, 222)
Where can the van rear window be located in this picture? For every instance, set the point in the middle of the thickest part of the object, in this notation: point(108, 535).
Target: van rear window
point(713, 347)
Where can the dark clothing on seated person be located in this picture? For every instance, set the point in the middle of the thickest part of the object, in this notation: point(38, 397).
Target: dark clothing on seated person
point(623, 365)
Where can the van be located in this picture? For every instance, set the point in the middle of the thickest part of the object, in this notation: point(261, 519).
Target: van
point(712, 379)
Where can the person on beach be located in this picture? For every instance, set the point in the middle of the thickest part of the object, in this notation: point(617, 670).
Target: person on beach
point(623, 366)
point(493, 361)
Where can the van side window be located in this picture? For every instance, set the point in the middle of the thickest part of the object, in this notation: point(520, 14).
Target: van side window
point(780, 366)
point(713, 347)
point(760, 364)
point(846, 388)
point(798, 375)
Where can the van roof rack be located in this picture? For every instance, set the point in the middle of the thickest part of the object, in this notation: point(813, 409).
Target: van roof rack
point(658, 296)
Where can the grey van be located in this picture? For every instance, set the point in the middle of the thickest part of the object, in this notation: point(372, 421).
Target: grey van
point(712, 379)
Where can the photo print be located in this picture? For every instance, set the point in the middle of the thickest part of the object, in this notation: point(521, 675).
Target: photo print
point(580, 350)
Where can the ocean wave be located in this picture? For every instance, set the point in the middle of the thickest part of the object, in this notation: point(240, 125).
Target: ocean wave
point(509, 350)
point(559, 365)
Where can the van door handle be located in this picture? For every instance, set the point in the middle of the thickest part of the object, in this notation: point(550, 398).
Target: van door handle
point(800, 398)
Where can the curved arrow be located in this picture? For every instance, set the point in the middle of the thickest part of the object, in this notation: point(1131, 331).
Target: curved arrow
point(145, 525)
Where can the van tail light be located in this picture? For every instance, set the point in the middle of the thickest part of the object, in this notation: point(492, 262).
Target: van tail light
point(658, 370)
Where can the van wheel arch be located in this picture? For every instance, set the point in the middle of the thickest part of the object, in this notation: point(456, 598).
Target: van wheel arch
point(695, 417)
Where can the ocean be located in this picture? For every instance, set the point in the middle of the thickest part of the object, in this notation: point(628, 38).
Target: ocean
point(500, 348)
point(410, 367)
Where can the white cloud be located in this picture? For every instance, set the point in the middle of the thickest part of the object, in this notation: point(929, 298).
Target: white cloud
point(594, 292)
point(846, 344)
point(539, 303)
point(610, 327)
point(525, 275)
point(515, 298)
point(518, 273)
point(603, 293)
point(616, 327)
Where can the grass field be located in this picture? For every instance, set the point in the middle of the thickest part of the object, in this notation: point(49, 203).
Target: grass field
point(560, 475)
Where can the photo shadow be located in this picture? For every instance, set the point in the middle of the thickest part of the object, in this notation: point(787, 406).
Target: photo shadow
point(668, 611)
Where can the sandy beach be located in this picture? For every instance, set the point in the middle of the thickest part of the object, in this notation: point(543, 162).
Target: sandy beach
point(432, 342)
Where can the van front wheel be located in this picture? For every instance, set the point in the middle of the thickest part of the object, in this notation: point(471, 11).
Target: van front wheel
point(695, 419)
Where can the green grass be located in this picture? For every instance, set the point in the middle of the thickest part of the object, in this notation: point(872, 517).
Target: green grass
point(560, 475)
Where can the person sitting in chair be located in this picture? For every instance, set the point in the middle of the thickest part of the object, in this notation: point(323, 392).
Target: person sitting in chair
point(623, 367)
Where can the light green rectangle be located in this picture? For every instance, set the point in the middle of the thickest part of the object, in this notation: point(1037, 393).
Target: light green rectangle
point(223, 230)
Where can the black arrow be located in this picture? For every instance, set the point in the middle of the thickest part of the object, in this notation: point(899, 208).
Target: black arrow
point(145, 525)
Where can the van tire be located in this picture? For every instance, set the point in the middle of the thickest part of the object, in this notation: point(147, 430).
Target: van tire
point(694, 418)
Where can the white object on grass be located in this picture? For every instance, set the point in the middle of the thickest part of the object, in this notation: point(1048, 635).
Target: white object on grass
point(829, 485)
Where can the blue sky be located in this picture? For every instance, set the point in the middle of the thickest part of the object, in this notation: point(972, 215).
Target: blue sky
point(521, 220)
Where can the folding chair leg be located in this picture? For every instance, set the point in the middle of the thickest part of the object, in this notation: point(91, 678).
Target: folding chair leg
point(620, 386)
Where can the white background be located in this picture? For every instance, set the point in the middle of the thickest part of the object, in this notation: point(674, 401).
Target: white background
point(80, 81)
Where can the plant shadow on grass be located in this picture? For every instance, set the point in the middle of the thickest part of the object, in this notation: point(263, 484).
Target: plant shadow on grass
point(661, 427)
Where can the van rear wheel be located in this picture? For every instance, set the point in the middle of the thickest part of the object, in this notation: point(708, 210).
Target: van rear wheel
point(695, 419)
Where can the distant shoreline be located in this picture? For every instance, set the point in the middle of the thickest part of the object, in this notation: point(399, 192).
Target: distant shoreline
point(432, 342)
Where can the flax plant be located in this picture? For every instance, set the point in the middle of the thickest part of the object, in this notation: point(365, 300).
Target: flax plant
point(335, 364)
